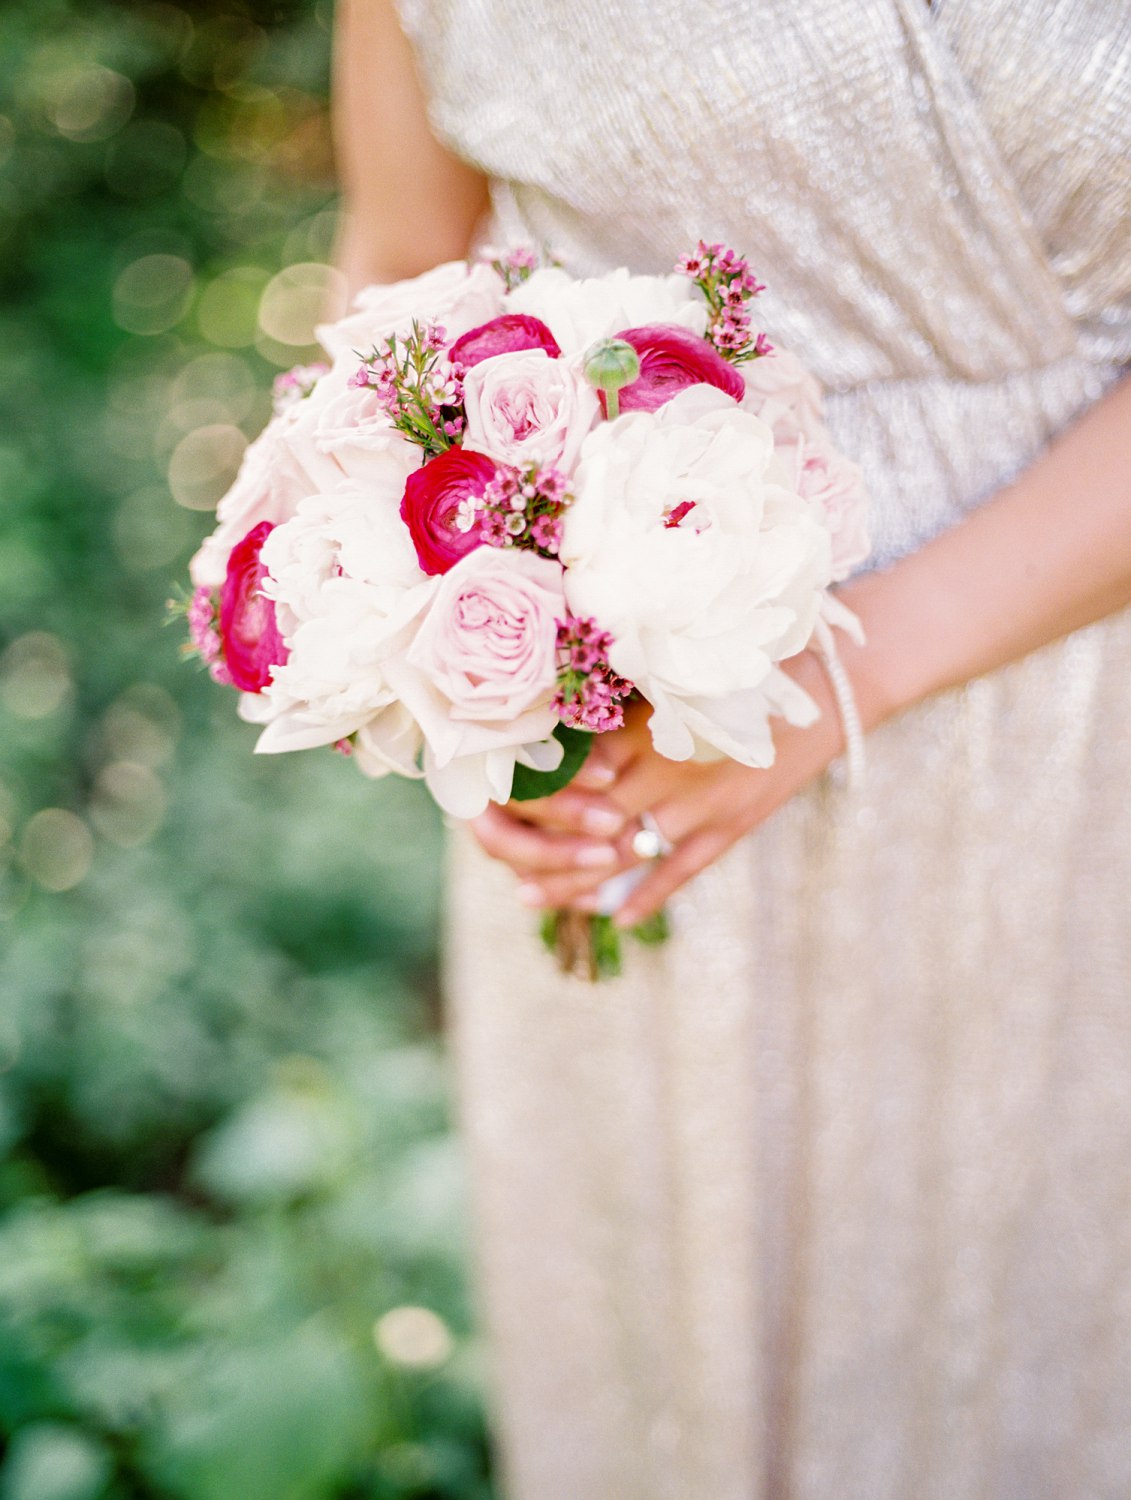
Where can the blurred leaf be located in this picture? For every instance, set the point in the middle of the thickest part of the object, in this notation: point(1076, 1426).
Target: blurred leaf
point(280, 1146)
point(279, 1421)
point(50, 1462)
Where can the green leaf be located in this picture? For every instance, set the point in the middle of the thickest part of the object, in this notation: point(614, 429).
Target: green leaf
point(604, 935)
point(529, 785)
point(653, 930)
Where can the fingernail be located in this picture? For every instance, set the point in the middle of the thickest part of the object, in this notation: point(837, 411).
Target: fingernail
point(595, 856)
point(531, 895)
point(602, 820)
point(595, 774)
point(588, 902)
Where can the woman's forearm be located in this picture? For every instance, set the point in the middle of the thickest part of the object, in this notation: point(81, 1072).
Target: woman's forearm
point(1050, 553)
point(409, 203)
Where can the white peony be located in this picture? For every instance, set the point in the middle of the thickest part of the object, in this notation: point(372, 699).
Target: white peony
point(348, 595)
point(270, 483)
point(337, 432)
point(578, 313)
point(685, 543)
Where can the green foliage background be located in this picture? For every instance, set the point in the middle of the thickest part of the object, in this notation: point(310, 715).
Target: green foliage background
point(231, 1244)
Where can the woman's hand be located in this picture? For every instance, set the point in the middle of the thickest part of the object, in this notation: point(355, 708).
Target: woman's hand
point(1049, 554)
point(565, 846)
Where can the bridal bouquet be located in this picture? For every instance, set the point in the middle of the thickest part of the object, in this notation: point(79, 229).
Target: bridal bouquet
point(511, 501)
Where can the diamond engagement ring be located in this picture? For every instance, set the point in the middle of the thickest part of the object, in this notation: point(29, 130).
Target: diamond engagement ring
point(649, 842)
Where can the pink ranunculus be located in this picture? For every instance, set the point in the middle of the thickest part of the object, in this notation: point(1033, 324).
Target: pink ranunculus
point(248, 630)
point(504, 335)
point(437, 498)
point(671, 359)
point(526, 408)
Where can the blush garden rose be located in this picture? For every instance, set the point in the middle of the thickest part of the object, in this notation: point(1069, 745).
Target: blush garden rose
point(481, 673)
point(526, 408)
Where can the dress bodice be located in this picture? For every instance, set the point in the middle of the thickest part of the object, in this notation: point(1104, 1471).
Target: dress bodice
point(927, 191)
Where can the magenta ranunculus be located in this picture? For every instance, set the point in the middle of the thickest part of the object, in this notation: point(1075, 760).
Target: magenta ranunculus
point(433, 498)
point(248, 631)
point(505, 335)
point(671, 359)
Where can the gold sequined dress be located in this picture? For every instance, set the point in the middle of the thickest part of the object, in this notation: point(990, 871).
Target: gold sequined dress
point(831, 1199)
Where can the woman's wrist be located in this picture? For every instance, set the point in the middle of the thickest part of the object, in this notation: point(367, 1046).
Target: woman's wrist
point(882, 670)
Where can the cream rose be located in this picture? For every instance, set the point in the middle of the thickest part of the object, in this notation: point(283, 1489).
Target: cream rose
point(348, 595)
point(527, 408)
point(457, 295)
point(684, 543)
point(781, 391)
point(836, 486)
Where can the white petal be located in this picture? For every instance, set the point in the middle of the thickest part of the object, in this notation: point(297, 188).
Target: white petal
point(542, 755)
point(390, 742)
point(462, 788)
point(297, 731)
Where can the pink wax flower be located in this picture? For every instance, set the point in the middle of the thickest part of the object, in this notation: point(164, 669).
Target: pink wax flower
point(438, 498)
point(523, 508)
point(204, 637)
point(504, 335)
point(671, 359)
point(251, 640)
point(590, 694)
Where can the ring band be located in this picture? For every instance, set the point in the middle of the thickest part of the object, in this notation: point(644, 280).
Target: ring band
point(649, 842)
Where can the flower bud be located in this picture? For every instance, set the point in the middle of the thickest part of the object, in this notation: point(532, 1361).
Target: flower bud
point(609, 365)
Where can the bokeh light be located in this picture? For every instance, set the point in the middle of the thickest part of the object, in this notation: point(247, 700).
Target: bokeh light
point(142, 725)
point(90, 102)
point(35, 676)
point(153, 294)
point(228, 308)
point(204, 463)
point(415, 1337)
point(56, 849)
point(298, 298)
point(127, 803)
